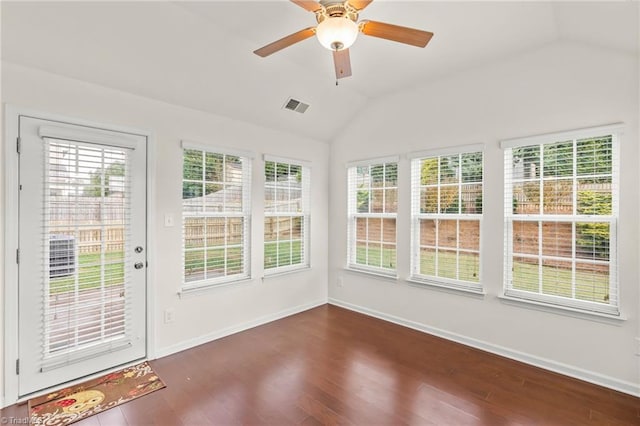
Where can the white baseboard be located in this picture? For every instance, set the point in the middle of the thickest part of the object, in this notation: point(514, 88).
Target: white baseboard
point(547, 364)
point(218, 334)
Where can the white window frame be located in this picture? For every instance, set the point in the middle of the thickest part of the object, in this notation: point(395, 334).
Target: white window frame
point(416, 216)
point(245, 214)
point(570, 303)
point(353, 216)
point(304, 214)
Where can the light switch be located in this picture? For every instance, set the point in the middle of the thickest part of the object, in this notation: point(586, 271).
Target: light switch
point(168, 220)
point(169, 315)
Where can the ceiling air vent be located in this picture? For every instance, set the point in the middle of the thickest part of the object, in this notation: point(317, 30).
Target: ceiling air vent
point(296, 105)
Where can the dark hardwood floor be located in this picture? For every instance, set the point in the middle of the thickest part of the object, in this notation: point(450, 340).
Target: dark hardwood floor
point(333, 366)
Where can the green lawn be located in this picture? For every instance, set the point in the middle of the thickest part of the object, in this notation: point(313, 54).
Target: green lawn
point(282, 254)
point(194, 261)
point(378, 257)
point(89, 273)
point(468, 266)
point(276, 254)
point(386, 258)
point(591, 286)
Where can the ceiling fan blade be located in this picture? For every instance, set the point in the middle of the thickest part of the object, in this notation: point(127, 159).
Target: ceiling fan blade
point(285, 42)
point(342, 62)
point(397, 33)
point(309, 5)
point(360, 4)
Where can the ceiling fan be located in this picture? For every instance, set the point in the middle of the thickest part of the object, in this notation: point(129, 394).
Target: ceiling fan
point(338, 28)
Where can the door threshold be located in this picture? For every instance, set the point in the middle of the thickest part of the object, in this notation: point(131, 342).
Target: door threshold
point(25, 398)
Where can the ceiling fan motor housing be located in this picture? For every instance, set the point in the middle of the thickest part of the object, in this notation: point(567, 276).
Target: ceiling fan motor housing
point(336, 9)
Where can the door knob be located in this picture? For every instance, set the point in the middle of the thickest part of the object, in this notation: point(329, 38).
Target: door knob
point(139, 265)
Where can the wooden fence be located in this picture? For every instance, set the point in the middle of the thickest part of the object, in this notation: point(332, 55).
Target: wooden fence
point(65, 210)
point(90, 239)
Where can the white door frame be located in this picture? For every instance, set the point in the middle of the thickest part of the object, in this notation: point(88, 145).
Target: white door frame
point(11, 218)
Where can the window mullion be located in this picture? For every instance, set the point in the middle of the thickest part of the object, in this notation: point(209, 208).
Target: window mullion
point(437, 248)
point(366, 249)
point(457, 249)
point(573, 259)
point(574, 234)
point(205, 219)
point(541, 177)
point(380, 244)
point(540, 260)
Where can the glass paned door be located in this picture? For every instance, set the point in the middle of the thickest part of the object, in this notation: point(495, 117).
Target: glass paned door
point(82, 272)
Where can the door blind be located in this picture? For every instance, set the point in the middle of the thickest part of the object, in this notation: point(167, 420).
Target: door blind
point(86, 263)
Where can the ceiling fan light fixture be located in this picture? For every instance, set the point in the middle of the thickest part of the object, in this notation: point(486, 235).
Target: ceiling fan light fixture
point(337, 33)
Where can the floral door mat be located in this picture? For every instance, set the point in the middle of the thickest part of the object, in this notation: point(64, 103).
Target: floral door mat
point(75, 403)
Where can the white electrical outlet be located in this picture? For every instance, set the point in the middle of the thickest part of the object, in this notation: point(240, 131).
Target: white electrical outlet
point(340, 281)
point(168, 220)
point(637, 346)
point(169, 315)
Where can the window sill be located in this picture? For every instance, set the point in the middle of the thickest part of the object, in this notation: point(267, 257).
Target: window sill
point(372, 273)
point(274, 273)
point(204, 287)
point(451, 288)
point(563, 310)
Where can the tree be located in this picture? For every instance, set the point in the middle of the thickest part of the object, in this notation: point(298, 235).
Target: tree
point(274, 172)
point(429, 171)
point(384, 174)
point(595, 156)
point(592, 238)
point(472, 167)
point(96, 184)
point(446, 171)
point(526, 160)
point(199, 166)
point(558, 159)
point(362, 201)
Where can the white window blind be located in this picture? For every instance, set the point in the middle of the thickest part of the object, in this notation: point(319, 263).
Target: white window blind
point(372, 211)
point(286, 215)
point(86, 272)
point(561, 211)
point(446, 215)
point(216, 217)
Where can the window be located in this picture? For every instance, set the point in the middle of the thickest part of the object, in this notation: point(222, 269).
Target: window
point(373, 203)
point(446, 215)
point(561, 202)
point(286, 215)
point(216, 216)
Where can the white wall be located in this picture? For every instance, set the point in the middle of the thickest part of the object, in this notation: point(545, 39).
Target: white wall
point(202, 316)
point(560, 87)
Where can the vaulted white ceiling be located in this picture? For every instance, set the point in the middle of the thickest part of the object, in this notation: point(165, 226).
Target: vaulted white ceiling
point(199, 54)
